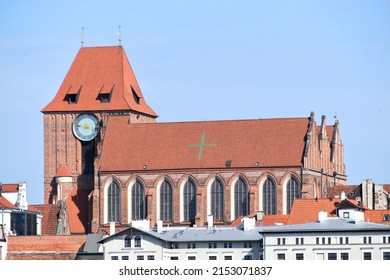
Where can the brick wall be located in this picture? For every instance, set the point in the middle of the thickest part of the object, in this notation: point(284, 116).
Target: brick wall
point(45, 247)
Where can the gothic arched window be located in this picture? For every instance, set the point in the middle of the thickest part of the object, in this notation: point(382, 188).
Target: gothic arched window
point(189, 200)
point(166, 201)
point(113, 202)
point(241, 203)
point(293, 192)
point(217, 200)
point(138, 207)
point(269, 197)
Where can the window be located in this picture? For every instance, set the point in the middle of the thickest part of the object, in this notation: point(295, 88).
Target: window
point(125, 258)
point(248, 257)
point(346, 215)
point(241, 204)
point(174, 258)
point(217, 200)
point(367, 256)
point(386, 256)
point(150, 257)
point(72, 97)
point(114, 258)
point(299, 256)
point(191, 258)
point(346, 240)
point(137, 241)
point(127, 241)
point(317, 240)
point(293, 192)
point(113, 202)
point(281, 241)
point(329, 240)
point(341, 240)
point(135, 95)
point(332, 256)
point(212, 245)
point(281, 257)
point(344, 256)
point(269, 197)
point(212, 258)
point(228, 258)
point(367, 239)
point(386, 239)
point(299, 241)
point(189, 201)
point(166, 201)
point(227, 245)
point(386, 217)
point(191, 245)
point(137, 201)
point(140, 258)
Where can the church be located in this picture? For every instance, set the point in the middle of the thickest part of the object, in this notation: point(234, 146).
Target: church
point(108, 160)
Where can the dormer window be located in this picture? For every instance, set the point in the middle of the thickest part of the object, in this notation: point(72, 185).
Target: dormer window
point(135, 96)
point(105, 95)
point(72, 96)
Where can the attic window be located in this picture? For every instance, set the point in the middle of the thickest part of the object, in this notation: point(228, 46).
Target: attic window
point(386, 217)
point(135, 96)
point(104, 95)
point(72, 97)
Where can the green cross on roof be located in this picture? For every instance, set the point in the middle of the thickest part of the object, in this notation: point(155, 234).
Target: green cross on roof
point(201, 145)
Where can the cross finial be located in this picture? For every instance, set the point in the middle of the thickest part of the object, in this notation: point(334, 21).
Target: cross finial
point(119, 35)
point(82, 36)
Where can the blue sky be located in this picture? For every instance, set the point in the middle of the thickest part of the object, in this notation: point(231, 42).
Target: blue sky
point(206, 60)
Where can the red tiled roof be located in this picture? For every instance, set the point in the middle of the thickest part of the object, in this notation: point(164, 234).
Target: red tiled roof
point(98, 70)
point(269, 220)
point(6, 203)
point(51, 243)
point(10, 187)
point(77, 204)
point(270, 142)
point(63, 171)
point(49, 218)
point(336, 190)
point(376, 216)
point(386, 187)
point(306, 210)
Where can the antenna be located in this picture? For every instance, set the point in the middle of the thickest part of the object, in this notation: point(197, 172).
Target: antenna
point(119, 35)
point(82, 36)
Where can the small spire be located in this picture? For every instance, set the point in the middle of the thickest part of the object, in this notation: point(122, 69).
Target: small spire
point(119, 35)
point(82, 36)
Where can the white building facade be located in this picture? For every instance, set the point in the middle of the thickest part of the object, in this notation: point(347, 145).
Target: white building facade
point(184, 243)
point(348, 238)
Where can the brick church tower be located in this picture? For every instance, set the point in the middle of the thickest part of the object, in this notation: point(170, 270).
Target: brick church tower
point(99, 83)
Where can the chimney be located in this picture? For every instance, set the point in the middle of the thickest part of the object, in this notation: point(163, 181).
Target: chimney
point(343, 196)
point(248, 223)
point(210, 221)
point(322, 216)
point(260, 216)
point(112, 228)
point(159, 226)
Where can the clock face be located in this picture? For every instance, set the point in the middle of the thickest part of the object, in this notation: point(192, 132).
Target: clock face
point(86, 127)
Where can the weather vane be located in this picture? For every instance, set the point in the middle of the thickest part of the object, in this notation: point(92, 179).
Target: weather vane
point(82, 36)
point(119, 35)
